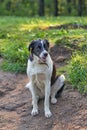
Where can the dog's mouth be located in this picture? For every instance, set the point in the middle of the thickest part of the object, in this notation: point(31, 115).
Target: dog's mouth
point(43, 59)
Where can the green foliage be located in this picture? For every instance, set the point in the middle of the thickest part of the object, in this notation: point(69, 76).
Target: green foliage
point(17, 32)
point(18, 7)
point(13, 66)
point(30, 7)
point(16, 56)
point(78, 72)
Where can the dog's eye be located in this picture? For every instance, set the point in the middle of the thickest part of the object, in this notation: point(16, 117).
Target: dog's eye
point(44, 45)
point(39, 47)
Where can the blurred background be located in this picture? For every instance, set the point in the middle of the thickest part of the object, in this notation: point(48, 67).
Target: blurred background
point(43, 7)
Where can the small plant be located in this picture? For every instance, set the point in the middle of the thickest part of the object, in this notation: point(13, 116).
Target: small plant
point(78, 72)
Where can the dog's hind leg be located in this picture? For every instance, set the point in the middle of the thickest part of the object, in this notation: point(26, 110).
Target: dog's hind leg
point(57, 88)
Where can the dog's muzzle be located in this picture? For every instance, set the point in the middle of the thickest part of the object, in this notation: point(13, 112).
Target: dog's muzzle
point(43, 56)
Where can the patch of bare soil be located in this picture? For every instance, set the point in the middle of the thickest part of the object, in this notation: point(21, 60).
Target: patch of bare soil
point(70, 112)
point(60, 55)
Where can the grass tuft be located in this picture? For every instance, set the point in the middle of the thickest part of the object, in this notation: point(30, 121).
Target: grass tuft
point(78, 72)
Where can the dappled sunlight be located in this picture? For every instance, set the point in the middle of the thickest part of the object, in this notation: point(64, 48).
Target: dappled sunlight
point(29, 27)
point(40, 25)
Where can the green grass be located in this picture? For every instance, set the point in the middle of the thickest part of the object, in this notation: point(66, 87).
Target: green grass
point(78, 71)
point(16, 33)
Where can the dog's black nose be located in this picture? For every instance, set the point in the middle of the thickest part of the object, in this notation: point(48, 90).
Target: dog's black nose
point(45, 54)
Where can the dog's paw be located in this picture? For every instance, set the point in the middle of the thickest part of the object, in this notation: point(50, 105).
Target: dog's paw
point(48, 114)
point(34, 112)
point(53, 100)
point(27, 85)
point(62, 78)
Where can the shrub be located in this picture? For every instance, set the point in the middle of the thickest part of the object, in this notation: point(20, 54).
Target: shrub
point(16, 56)
point(78, 72)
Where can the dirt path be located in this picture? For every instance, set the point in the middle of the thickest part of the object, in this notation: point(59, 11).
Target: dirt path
point(70, 112)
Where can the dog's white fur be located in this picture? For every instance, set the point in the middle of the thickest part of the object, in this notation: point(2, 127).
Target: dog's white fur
point(40, 84)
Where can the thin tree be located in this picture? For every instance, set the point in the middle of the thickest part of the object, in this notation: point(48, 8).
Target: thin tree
point(84, 5)
point(41, 7)
point(74, 2)
point(80, 4)
point(68, 6)
point(55, 7)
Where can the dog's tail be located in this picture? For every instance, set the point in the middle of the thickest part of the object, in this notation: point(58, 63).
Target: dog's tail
point(58, 86)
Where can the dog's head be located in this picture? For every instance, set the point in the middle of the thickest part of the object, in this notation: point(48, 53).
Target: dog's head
point(40, 49)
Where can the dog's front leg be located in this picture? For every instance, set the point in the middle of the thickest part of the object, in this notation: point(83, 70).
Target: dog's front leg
point(46, 102)
point(34, 100)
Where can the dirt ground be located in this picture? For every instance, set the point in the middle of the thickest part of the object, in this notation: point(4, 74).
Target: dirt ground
point(70, 112)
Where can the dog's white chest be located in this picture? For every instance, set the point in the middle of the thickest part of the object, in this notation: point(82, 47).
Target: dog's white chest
point(39, 70)
point(39, 80)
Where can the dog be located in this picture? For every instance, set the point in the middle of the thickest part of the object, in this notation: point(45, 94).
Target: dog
point(43, 82)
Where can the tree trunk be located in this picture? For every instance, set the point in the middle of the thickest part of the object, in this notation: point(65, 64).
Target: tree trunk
point(1, 1)
point(80, 7)
point(68, 7)
point(56, 7)
point(74, 2)
point(84, 5)
point(41, 7)
point(8, 5)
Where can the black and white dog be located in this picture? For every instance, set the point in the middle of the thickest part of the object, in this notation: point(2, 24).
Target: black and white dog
point(42, 75)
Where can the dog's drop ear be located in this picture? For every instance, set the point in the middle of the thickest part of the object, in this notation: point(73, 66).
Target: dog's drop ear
point(47, 42)
point(31, 46)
